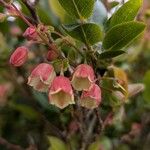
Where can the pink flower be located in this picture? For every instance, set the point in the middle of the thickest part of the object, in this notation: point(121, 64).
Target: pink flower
point(31, 34)
point(61, 93)
point(41, 77)
point(19, 56)
point(83, 77)
point(91, 98)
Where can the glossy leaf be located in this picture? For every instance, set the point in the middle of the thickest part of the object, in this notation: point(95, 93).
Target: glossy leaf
point(89, 33)
point(122, 34)
point(78, 8)
point(110, 54)
point(58, 10)
point(126, 13)
point(57, 144)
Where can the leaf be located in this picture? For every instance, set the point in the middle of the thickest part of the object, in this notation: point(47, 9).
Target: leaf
point(78, 8)
point(113, 4)
point(122, 34)
point(88, 33)
point(110, 54)
point(57, 144)
point(121, 80)
point(126, 13)
point(99, 15)
point(58, 10)
point(146, 81)
point(102, 143)
point(26, 110)
point(134, 89)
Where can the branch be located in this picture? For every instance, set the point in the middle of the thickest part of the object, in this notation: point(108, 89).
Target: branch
point(32, 10)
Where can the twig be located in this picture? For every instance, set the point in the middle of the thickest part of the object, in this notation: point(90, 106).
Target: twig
point(101, 127)
point(32, 11)
point(88, 133)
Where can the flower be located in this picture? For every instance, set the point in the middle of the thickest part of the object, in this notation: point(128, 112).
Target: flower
point(41, 77)
point(31, 34)
point(91, 98)
point(19, 56)
point(83, 77)
point(61, 93)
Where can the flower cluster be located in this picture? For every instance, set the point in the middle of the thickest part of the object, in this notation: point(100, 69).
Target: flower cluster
point(60, 88)
point(43, 78)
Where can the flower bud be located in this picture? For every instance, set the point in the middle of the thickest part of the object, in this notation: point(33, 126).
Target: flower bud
point(83, 77)
point(91, 98)
point(31, 34)
point(41, 77)
point(51, 55)
point(61, 93)
point(19, 56)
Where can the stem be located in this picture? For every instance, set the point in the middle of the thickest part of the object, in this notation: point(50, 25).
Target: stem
point(32, 11)
point(21, 15)
point(99, 120)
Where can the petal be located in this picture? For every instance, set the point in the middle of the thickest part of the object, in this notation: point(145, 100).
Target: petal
point(89, 103)
point(80, 83)
point(61, 99)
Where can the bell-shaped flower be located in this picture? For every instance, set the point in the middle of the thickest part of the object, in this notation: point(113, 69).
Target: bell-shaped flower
point(19, 56)
point(42, 77)
point(91, 98)
point(83, 77)
point(61, 93)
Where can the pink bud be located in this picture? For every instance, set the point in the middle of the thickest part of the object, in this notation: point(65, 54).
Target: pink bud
point(31, 34)
point(41, 77)
point(19, 56)
point(83, 77)
point(91, 98)
point(61, 93)
point(51, 55)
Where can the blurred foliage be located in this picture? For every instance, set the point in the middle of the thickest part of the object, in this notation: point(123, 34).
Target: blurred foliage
point(28, 120)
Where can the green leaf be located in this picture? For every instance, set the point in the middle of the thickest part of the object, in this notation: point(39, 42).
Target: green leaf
point(103, 143)
point(99, 15)
point(113, 4)
point(147, 87)
point(26, 110)
point(110, 54)
point(89, 33)
point(57, 144)
point(58, 10)
point(126, 13)
point(122, 34)
point(78, 8)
